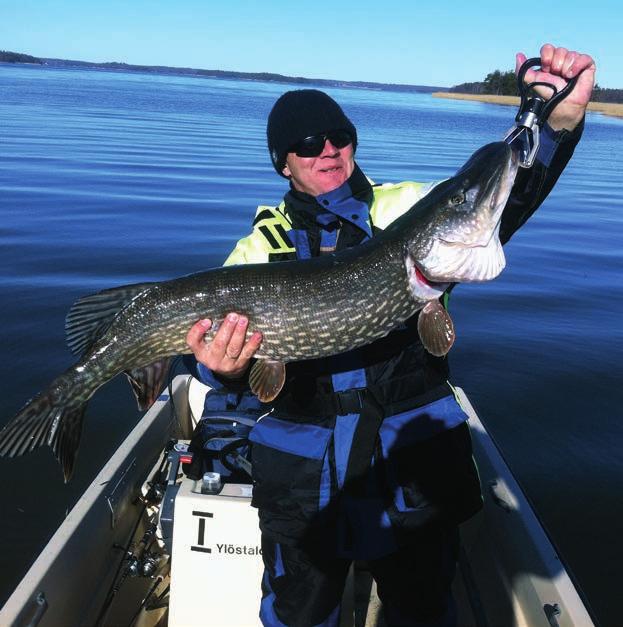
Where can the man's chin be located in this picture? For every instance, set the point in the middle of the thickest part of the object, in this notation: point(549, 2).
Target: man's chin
point(331, 179)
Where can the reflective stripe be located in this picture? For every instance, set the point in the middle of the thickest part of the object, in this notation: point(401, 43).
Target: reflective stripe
point(229, 417)
point(328, 240)
point(262, 214)
point(269, 235)
point(276, 237)
point(302, 439)
point(265, 230)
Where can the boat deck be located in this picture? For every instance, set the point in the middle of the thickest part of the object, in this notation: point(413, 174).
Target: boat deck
point(509, 572)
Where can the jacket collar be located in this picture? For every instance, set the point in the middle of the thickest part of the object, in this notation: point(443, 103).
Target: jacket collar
point(305, 210)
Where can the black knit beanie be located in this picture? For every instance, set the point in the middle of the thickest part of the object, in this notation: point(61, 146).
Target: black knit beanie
point(299, 114)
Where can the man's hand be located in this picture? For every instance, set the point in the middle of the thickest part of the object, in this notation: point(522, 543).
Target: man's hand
point(229, 353)
point(558, 66)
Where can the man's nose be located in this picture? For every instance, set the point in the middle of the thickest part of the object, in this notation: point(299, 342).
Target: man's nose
point(329, 149)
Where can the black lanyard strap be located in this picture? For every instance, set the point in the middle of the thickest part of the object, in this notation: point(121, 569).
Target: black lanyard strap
point(533, 112)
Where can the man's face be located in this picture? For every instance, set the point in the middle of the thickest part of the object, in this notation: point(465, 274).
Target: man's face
point(321, 174)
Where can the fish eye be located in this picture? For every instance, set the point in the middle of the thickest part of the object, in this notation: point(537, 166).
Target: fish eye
point(458, 199)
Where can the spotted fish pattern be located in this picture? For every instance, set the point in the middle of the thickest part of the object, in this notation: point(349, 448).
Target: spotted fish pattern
point(304, 309)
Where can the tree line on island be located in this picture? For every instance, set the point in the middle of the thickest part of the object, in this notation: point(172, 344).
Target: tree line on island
point(17, 57)
point(495, 83)
point(499, 83)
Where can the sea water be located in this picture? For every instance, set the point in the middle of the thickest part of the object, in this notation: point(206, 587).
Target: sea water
point(109, 178)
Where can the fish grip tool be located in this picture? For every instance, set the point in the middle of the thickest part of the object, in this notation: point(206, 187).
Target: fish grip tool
point(533, 113)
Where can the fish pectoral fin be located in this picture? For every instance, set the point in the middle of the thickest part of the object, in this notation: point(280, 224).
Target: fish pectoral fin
point(435, 328)
point(267, 378)
point(90, 316)
point(147, 382)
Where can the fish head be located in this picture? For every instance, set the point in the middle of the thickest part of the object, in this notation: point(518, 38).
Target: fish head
point(455, 237)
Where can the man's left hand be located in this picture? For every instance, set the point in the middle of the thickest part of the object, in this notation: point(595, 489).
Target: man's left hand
point(558, 66)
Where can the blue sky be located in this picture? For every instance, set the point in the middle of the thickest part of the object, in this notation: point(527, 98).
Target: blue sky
point(440, 43)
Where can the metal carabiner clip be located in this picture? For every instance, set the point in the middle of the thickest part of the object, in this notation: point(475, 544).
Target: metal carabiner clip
point(533, 112)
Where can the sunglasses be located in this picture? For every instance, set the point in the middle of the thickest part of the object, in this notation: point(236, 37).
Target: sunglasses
point(314, 145)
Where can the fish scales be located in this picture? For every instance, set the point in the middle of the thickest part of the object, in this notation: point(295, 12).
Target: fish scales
point(291, 309)
point(304, 309)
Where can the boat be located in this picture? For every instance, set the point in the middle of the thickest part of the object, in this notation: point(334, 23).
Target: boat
point(148, 546)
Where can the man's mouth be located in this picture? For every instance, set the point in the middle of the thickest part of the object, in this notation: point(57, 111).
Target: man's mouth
point(333, 169)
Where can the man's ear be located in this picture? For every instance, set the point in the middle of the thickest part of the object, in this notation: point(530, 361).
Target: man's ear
point(286, 171)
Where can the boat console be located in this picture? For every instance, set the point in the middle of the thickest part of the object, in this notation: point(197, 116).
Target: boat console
point(212, 530)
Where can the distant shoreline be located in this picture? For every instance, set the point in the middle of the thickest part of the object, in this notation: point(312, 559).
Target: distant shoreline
point(607, 108)
point(14, 58)
point(11, 58)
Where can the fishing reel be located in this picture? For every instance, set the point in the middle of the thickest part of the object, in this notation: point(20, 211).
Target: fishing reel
point(533, 112)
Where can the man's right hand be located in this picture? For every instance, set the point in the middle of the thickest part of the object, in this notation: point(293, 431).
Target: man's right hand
point(229, 353)
point(558, 67)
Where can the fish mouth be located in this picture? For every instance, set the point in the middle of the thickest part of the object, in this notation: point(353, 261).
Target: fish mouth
point(422, 288)
point(468, 249)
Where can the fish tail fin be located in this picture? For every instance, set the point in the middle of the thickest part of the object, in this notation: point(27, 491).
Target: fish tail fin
point(45, 420)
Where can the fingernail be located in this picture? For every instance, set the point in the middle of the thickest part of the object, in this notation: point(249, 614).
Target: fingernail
point(232, 317)
point(242, 322)
point(205, 323)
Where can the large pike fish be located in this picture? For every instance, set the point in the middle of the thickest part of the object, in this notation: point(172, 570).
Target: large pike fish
point(304, 309)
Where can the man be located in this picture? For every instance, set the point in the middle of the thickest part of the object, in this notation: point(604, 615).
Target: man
point(366, 455)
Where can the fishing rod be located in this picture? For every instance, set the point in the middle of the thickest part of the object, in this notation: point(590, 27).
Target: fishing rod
point(533, 113)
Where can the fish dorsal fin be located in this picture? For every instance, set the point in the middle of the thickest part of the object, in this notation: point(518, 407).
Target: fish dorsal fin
point(89, 317)
point(147, 382)
point(435, 328)
point(267, 378)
